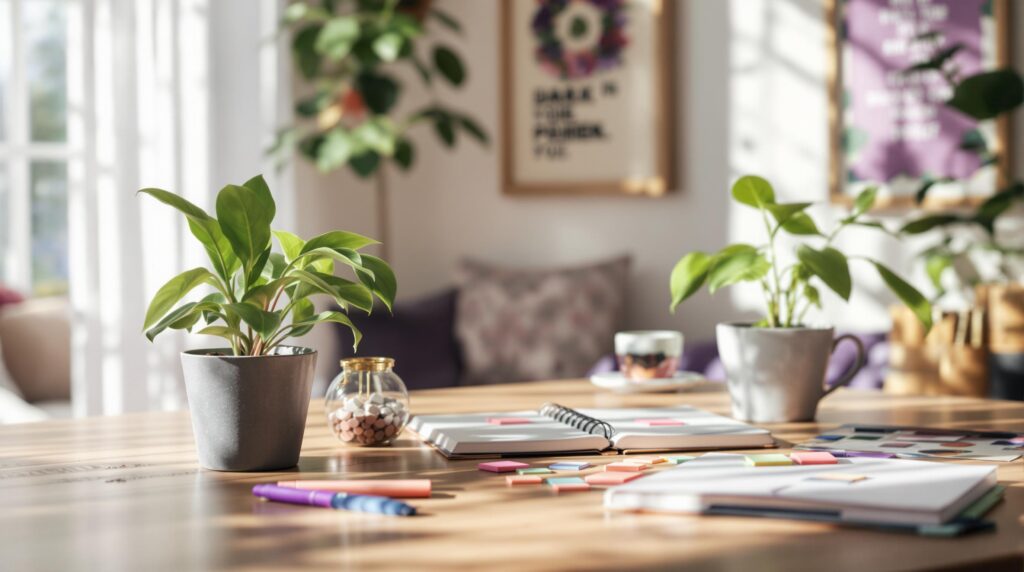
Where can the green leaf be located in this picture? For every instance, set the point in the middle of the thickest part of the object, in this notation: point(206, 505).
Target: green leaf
point(378, 277)
point(337, 37)
point(304, 48)
point(864, 201)
point(301, 311)
point(336, 317)
point(872, 224)
point(924, 224)
point(226, 332)
point(404, 153)
point(995, 206)
point(334, 151)
point(782, 212)
point(736, 263)
point(474, 130)
point(173, 291)
point(380, 93)
point(448, 21)
point(935, 265)
point(425, 74)
point(261, 321)
point(445, 130)
point(988, 94)
point(753, 191)
point(245, 216)
point(177, 315)
point(263, 295)
point(688, 276)
point(926, 186)
point(349, 257)
point(291, 244)
point(801, 224)
point(343, 291)
point(337, 240)
point(365, 164)
point(388, 46)
point(813, 295)
point(450, 65)
point(377, 135)
point(830, 266)
point(907, 294)
point(205, 228)
point(256, 272)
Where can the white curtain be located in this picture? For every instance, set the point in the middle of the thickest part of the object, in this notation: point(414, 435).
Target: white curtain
point(178, 94)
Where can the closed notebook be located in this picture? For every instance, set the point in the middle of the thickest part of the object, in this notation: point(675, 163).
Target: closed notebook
point(856, 490)
point(557, 429)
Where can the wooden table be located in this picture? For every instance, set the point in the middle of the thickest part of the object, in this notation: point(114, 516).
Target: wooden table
point(124, 493)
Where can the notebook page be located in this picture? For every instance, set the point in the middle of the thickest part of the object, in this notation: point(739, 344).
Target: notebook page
point(699, 430)
point(470, 433)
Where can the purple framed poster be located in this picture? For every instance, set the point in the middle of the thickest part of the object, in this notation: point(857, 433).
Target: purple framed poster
point(891, 128)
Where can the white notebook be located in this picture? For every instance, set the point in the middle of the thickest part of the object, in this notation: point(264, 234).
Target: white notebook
point(888, 490)
point(557, 429)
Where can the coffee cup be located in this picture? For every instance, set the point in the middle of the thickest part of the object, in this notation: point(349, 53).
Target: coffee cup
point(648, 354)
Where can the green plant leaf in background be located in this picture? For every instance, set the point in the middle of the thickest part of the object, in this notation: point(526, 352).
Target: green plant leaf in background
point(338, 318)
point(335, 150)
point(988, 94)
point(205, 228)
point(907, 294)
point(935, 265)
point(450, 65)
point(864, 201)
point(445, 130)
point(688, 276)
point(388, 46)
point(379, 278)
point(753, 191)
point(405, 153)
point(304, 47)
point(829, 265)
point(261, 321)
point(364, 164)
point(736, 263)
point(782, 212)
point(924, 224)
point(245, 216)
point(337, 240)
point(801, 224)
point(173, 291)
point(380, 92)
point(337, 38)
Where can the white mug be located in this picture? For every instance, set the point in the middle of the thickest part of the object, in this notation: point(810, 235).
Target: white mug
point(648, 354)
point(778, 374)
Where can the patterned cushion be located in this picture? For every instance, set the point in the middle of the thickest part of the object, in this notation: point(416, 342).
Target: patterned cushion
point(521, 325)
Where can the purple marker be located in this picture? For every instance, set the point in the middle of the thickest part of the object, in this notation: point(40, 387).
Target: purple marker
point(331, 499)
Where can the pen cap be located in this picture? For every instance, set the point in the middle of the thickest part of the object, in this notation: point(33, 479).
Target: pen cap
point(366, 503)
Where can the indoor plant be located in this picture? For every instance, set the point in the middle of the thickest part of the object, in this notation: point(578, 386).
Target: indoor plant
point(349, 52)
point(776, 366)
point(249, 401)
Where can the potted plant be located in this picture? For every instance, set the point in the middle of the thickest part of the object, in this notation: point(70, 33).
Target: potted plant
point(776, 367)
point(249, 400)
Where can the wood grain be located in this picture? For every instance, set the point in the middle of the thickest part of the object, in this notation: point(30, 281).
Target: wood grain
point(125, 493)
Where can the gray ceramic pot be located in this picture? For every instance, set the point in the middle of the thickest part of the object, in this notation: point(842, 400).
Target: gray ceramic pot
point(248, 413)
point(778, 374)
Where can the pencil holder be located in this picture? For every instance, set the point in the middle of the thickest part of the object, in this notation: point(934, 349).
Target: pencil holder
point(367, 403)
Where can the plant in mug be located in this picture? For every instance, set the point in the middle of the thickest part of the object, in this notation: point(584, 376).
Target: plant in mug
point(262, 297)
point(790, 288)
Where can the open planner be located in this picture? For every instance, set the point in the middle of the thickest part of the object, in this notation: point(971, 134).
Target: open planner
point(557, 429)
point(889, 493)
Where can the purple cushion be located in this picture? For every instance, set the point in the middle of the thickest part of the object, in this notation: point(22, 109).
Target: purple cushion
point(419, 337)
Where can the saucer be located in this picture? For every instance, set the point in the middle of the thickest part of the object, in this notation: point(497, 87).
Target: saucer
point(615, 381)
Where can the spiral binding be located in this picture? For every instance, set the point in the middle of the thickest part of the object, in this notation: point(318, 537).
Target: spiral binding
point(574, 418)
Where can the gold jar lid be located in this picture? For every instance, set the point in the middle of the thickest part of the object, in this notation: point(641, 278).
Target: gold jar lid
point(367, 364)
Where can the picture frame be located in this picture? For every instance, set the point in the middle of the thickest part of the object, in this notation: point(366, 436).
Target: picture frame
point(571, 125)
point(991, 51)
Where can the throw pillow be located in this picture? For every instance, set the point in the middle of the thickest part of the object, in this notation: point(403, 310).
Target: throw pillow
point(519, 325)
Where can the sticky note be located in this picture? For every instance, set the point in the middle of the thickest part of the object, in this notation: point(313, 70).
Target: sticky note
point(828, 437)
point(569, 466)
point(678, 460)
point(611, 479)
point(660, 422)
point(563, 480)
point(769, 460)
point(508, 420)
point(643, 460)
point(536, 471)
point(512, 480)
point(812, 458)
point(625, 467)
point(1017, 440)
point(843, 477)
point(501, 466)
point(571, 487)
point(900, 444)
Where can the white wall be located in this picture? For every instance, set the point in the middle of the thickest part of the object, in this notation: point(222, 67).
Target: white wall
point(751, 95)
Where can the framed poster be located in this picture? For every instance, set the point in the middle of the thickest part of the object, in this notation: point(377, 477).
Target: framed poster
point(587, 99)
point(891, 128)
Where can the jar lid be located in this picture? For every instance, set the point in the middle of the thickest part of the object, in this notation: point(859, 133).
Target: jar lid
point(368, 364)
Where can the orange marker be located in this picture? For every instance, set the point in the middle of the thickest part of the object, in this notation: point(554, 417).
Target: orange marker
point(624, 467)
point(410, 488)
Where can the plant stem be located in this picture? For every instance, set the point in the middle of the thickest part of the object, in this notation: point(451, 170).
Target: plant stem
point(773, 318)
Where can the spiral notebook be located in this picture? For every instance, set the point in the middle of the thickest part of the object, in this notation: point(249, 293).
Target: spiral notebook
point(557, 429)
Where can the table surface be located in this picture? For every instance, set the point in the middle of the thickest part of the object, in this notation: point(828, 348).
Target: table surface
point(125, 493)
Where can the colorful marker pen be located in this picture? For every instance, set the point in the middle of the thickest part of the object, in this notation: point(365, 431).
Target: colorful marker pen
point(359, 503)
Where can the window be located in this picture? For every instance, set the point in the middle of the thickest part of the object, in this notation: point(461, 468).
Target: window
point(34, 149)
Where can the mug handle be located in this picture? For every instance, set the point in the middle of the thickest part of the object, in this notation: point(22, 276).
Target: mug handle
point(847, 377)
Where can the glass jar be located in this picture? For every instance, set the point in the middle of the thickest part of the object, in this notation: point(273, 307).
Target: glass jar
point(367, 404)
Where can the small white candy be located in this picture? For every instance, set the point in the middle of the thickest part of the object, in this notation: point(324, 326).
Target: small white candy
point(385, 411)
point(389, 420)
point(353, 406)
point(376, 398)
point(372, 410)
